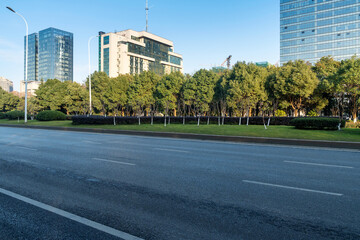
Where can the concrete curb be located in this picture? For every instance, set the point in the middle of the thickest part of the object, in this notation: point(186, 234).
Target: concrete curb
point(239, 139)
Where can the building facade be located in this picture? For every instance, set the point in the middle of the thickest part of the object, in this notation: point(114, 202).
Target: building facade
point(32, 86)
point(131, 52)
point(6, 84)
point(50, 55)
point(312, 29)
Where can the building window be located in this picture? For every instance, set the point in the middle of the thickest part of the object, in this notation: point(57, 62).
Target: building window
point(106, 40)
point(106, 60)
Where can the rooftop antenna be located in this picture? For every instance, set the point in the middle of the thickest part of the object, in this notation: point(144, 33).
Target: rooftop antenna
point(147, 15)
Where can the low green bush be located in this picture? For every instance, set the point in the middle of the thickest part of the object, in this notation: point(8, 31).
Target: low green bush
point(320, 123)
point(49, 115)
point(13, 115)
point(2, 115)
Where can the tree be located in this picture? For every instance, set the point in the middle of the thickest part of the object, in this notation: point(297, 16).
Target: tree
point(51, 95)
point(117, 93)
point(294, 83)
point(246, 87)
point(168, 91)
point(76, 98)
point(324, 95)
point(348, 82)
point(8, 102)
point(221, 93)
point(141, 95)
point(199, 91)
point(99, 87)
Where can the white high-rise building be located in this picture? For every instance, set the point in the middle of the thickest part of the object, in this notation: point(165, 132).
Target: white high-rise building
point(131, 52)
point(6, 84)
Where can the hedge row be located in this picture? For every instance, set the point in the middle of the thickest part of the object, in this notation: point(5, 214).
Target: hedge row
point(14, 115)
point(100, 120)
point(50, 116)
point(317, 123)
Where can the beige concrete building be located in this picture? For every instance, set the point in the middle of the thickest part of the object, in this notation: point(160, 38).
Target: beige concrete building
point(131, 52)
point(6, 84)
point(32, 87)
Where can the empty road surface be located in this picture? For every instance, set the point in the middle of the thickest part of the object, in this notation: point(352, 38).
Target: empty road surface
point(69, 185)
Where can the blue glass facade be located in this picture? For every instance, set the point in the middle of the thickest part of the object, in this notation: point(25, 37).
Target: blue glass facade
point(53, 57)
point(33, 56)
point(312, 29)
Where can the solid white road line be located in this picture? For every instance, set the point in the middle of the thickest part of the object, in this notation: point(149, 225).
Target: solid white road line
point(112, 161)
point(26, 148)
point(71, 216)
point(293, 188)
point(319, 164)
point(170, 150)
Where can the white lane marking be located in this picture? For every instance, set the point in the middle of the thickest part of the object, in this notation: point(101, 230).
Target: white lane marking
point(293, 188)
point(319, 164)
point(170, 150)
point(27, 148)
point(112, 161)
point(91, 142)
point(71, 216)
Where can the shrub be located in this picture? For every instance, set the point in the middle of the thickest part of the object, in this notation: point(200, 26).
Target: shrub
point(49, 115)
point(280, 113)
point(13, 115)
point(2, 115)
point(317, 123)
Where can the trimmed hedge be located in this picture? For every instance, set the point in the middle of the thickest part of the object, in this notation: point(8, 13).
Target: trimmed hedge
point(320, 123)
point(49, 115)
point(2, 115)
point(101, 120)
point(13, 115)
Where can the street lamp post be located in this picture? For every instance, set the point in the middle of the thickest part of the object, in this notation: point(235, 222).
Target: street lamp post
point(90, 109)
point(26, 59)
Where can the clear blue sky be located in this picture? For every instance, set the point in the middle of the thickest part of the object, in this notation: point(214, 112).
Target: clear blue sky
point(204, 31)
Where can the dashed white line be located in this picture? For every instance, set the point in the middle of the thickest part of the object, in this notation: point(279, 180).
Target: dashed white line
point(27, 148)
point(319, 164)
point(293, 188)
point(171, 150)
point(91, 142)
point(113, 161)
point(71, 216)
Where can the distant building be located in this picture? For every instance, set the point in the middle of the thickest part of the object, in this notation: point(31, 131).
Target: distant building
point(263, 64)
point(31, 88)
point(310, 30)
point(50, 55)
point(6, 84)
point(131, 52)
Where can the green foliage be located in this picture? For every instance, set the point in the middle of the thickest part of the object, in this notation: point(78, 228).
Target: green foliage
point(351, 124)
point(280, 113)
point(198, 91)
point(2, 115)
point(168, 91)
point(246, 86)
point(294, 83)
point(313, 113)
point(8, 102)
point(317, 123)
point(49, 115)
point(13, 115)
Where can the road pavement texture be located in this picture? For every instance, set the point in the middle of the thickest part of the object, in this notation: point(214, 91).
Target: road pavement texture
point(72, 185)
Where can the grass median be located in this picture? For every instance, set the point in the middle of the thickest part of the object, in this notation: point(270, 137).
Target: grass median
point(350, 135)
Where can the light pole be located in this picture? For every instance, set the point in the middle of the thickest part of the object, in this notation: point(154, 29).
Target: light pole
point(90, 109)
point(26, 58)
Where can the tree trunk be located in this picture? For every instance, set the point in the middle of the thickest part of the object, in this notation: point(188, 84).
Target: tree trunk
point(175, 112)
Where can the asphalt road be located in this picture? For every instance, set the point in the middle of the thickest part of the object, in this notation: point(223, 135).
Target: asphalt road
point(159, 188)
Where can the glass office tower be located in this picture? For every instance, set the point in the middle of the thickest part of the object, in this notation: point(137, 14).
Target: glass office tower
point(312, 29)
point(33, 57)
point(50, 55)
